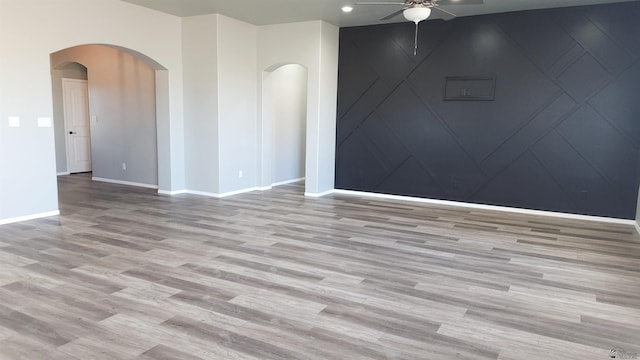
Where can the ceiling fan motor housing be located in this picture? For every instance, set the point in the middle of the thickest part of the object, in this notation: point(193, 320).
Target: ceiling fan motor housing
point(417, 13)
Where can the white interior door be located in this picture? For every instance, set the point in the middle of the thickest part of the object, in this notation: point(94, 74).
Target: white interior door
point(77, 128)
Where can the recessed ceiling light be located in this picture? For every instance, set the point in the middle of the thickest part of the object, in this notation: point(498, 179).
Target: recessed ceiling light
point(347, 9)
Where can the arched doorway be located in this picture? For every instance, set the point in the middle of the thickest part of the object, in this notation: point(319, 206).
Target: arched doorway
point(284, 124)
point(128, 95)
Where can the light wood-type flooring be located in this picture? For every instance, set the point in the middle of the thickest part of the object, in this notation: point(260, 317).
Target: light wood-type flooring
point(125, 273)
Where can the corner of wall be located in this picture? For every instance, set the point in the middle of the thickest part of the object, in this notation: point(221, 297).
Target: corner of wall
point(200, 56)
point(638, 213)
point(237, 104)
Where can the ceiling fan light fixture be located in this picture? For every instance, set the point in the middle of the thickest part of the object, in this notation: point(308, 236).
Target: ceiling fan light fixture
point(417, 14)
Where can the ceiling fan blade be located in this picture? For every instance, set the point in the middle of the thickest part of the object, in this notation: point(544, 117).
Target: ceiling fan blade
point(379, 3)
point(459, 2)
point(394, 14)
point(442, 14)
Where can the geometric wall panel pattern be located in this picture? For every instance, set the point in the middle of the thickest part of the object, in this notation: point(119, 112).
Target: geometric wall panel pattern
point(562, 134)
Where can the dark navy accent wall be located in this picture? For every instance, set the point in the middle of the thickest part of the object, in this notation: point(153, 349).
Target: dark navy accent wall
point(562, 134)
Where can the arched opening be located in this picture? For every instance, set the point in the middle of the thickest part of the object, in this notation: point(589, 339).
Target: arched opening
point(284, 124)
point(127, 109)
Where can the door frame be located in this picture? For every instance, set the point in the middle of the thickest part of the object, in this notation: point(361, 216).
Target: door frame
point(66, 81)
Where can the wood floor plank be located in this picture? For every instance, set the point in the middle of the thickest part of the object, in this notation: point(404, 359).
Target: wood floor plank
point(125, 273)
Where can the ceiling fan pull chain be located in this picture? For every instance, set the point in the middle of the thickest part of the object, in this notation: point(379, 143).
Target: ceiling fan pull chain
point(415, 49)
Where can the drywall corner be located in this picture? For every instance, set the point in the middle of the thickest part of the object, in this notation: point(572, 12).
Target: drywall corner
point(237, 104)
point(638, 213)
point(200, 59)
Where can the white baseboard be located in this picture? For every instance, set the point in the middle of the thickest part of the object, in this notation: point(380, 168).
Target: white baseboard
point(129, 183)
point(280, 183)
point(202, 193)
point(63, 174)
point(424, 200)
point(29, 217)
point(175, 192)
point(491, 207)
point(208, 194)
point(317, 195)
point(286, 182)
point(237, 192)
point(230, 193)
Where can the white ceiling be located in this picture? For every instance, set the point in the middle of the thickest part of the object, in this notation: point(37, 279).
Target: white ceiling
point(263, 12)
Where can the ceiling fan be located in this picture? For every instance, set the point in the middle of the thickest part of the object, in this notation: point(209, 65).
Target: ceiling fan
point(419, 10)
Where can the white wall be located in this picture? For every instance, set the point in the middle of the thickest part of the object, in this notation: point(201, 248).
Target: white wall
point(237, 111)
point(220, 104)
point(122, 98)
point(30, 30)
point(326, 124)
point(288, 115)
point(200, 58)
point(225, 60)
point(314, 45)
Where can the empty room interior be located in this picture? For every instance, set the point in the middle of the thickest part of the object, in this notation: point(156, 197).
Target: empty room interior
point(319, 179)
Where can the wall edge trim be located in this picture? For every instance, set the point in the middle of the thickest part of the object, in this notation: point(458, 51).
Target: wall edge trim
point(65, 173)
point(491, 207)
point(318, 195)
point(201, 193)
point(120, 182)
point(286, 182)
point(29, 217)
point(635, 223)
point(210, 194)
point(172, 192)
point(238, 192)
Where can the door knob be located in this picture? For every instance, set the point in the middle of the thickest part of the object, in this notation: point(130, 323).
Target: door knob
point(71, 132)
